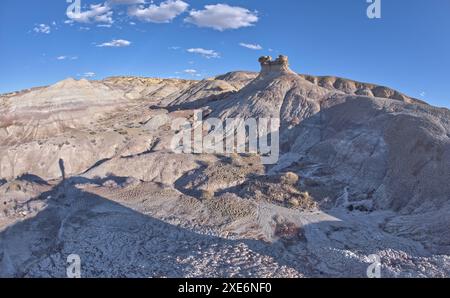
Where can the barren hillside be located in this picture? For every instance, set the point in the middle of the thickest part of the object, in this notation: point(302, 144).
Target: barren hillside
point(87, 168)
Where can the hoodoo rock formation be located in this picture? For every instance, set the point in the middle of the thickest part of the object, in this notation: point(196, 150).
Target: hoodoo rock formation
point(274, 67)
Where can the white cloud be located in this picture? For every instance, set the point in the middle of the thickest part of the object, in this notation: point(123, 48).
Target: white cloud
point(204, 52)
point(126, 2)
point(222, 17)
point(67, 58)
point(89, 74)
point(192, 72)
point(250, 46)
point(42, 28)
point(163, 13)
point(116, 43)
point(98, 13)
point(104, 25)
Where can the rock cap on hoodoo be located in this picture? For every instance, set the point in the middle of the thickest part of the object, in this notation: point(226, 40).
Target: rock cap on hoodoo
point(277, 66)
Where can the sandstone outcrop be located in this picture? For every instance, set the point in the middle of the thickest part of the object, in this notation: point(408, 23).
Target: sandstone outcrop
point(278, 66)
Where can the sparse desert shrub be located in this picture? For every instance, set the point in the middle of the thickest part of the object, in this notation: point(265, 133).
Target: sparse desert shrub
point(289, 178)
point(305, 195)
point(122, 132)
point(236, 159)
point(207, 195)
point(288, 231)
point(306, 201)
point(230, 207)
point(284, 194)
point(294, 202)
point(295, 121)
point(14, 187)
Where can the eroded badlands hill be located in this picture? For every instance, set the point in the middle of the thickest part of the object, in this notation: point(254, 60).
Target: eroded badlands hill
point(86, 168)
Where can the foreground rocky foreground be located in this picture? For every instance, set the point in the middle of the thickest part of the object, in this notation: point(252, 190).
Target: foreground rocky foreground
point(87, 168)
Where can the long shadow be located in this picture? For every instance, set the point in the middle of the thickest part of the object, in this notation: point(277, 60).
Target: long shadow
point(191, 105)
point(97, 164)
point(199, 103)
point(112, 240)
point(31, 178)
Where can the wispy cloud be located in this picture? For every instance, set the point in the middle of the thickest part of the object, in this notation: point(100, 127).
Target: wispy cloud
point(116, 43)
point(222, 17)
point(250, 46)
point(190, 71)
point(163, 13)
point(60, 58)
point(42, 28)
point(89, 74)
point(204, 52)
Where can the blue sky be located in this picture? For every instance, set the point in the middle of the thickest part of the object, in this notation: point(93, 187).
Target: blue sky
point(407, 49)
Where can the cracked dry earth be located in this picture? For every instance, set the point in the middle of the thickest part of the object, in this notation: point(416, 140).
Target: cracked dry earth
point(86, 168)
